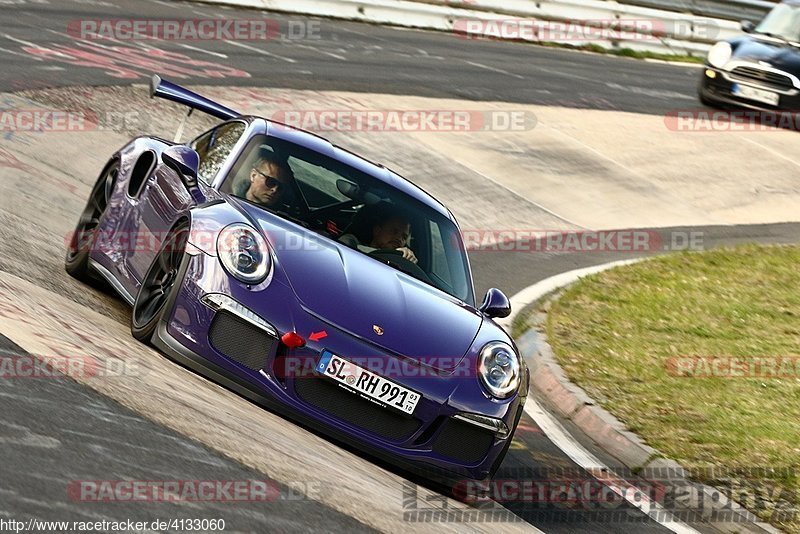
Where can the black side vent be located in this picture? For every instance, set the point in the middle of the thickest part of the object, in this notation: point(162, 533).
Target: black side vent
point(463, 442)
point(239, 340)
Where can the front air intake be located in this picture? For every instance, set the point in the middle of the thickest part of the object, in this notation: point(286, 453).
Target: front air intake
point(463, 441)
point(241, 341)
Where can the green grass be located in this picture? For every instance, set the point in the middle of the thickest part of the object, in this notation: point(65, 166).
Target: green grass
point(523, 321)
point(615, 333)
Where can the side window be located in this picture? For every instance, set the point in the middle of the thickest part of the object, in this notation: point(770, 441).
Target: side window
point(214, 147)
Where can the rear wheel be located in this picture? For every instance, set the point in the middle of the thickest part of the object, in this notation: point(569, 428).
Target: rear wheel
point(159, 282)
point(76, 262)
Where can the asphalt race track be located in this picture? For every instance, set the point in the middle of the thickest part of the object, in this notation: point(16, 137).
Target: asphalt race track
point(370, 59)
point(56, 432)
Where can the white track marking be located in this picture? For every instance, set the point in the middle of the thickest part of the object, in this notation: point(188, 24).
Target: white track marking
point(209, 52)
point(562, 439)
point(15, 53)
point(494, 69)
point(655, 93)
point(771, 151)
point(331, 54)
point(368, 36)
point(526, 199)
point(20, 41)
point(566, 74)
point(135, 42)
point(424, 54)
point(260, 51)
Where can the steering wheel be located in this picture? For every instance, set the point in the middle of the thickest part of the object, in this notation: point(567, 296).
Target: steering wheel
point(394, 257)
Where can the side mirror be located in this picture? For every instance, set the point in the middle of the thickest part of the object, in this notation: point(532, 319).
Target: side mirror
point(183, 160)
point(748, 27)
point(496, 304)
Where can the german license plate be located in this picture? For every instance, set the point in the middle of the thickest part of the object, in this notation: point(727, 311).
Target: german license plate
point(759, 95)
point(368, 384)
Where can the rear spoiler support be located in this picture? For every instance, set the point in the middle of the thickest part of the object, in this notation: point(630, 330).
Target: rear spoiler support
point(169, 91)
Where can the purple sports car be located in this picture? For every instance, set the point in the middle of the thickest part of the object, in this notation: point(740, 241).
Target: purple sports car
point(312, 281)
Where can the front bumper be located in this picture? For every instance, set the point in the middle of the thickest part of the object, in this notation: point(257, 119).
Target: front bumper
point(716, 87)
point(432, 443)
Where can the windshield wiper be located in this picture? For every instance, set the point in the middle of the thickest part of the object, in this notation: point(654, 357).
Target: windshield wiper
point(775, 36)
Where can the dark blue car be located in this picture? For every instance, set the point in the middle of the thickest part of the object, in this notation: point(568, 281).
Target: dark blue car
point(312, 281)
point(759, 70)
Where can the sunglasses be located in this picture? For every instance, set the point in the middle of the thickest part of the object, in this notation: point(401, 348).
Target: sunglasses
point(269, 181)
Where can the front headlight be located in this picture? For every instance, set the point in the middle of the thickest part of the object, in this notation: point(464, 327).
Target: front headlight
point(244, 253)
point(499, 369)
point(720, 54)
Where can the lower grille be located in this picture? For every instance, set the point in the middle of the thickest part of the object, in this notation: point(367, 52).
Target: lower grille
point(240, 340)
point(328, 396)
point(765, 78)
point(463, 442)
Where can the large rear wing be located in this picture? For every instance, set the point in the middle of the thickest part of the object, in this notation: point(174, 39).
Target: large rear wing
point(170, 91)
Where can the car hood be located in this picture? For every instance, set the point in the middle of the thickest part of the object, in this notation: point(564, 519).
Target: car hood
point(779, 55)
point(362, 297)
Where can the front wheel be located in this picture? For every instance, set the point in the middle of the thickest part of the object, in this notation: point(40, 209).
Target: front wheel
point(158, 284)
point(707, 102)
point(76, 262)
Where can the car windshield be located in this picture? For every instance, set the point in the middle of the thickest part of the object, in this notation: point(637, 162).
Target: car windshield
point(353, 208)
point(783, 21)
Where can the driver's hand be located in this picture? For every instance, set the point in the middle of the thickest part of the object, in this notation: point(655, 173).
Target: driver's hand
point(408, 254)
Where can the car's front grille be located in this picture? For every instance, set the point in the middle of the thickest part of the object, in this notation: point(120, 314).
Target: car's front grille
point(463, 441)
point(328, 396)
point(240, 340)
point(765, 78)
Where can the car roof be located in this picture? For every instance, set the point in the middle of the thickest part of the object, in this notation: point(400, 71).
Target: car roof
point(319, 144)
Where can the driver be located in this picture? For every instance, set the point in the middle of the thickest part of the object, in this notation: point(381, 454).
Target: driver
point(269, 180)
point(392, 232)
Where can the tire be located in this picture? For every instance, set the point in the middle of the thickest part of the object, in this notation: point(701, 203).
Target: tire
point(158, 284)
point(708, 103)
point(76, 262)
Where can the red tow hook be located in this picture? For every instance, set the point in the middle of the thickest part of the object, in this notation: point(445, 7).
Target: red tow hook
point(293, 340)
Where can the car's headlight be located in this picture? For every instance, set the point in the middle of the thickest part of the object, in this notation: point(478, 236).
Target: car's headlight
point(720, 54)
point(499, 369)
point(244, 253)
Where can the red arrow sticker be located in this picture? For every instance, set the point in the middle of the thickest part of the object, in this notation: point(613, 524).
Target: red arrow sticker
point(316, 336)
